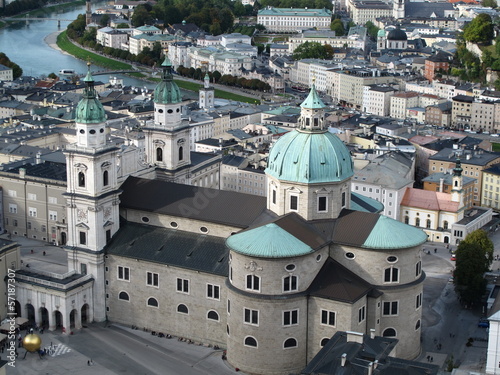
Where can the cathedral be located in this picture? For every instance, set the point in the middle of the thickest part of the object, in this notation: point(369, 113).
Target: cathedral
point(270, 279)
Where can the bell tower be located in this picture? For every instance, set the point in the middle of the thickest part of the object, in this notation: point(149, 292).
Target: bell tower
point(167, 139)
point(457, 182)
point(92, 194)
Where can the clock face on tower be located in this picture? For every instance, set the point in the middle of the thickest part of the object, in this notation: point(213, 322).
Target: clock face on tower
point(82, 215)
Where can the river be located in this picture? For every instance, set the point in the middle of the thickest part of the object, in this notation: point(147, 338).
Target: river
point(26, 46)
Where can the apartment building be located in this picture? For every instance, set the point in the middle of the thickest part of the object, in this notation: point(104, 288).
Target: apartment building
point(401, 102)
point(347, 85)
point(490, 196)
point(114, 38)
point(368, 10)
point(218, 59)
point(307, 71)
point(461, 111)
point(294, 19)
point(377, 99)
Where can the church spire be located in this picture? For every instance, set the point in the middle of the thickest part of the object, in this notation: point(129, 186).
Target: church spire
point(312, 113)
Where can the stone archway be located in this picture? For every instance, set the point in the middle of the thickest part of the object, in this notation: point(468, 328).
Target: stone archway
point(30, 313)
point(44, 317)
point(84, 314)
point(63, 238)
point(73, 315)
point(17, 307)
point(58, 319)
point(446, 239)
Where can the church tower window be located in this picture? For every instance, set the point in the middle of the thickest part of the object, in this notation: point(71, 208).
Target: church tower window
point(294, 202)
point(81, 179)
point(181, 156)
point(159, 154)
point(322, 204)
point(105, 179)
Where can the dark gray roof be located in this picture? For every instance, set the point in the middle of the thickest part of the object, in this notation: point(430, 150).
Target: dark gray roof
point(354, 227)
point(45, 169)
point(425, 10)
point(359, 355)
point(336, 282)
point(233, 160)
point(216, 206)
point(170, 246)
point(471, 157)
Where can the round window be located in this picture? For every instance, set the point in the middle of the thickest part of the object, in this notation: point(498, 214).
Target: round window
point(170, 111)
point(173, 224)
point(203, 229)
point(82, 131)
point(177, 110)
point(350, 255)
point(290, 267)
point(92, 131)
point(318, 258)
point(160, 110)
point(145, 219)
point(101, 130)
point(392, 259)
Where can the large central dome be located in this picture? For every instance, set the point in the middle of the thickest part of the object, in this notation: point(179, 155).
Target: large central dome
point(310, 158)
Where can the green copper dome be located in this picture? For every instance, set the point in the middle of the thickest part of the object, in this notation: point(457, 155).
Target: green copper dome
point(381, 33)
point(167, 91)
point(268, 241)
point(310, 158)
point(89, 110)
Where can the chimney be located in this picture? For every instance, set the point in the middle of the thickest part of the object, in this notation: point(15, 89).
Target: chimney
point(441, 184)
point(372, 333)
point(370, 368)
point(375, 364)
point(343, 359)
point(354, 337)
point(22, 172)
point(38, 157)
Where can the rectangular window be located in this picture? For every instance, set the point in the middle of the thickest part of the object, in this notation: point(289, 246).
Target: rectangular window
point(32, 211)
point(53, 215)
point(294, 202)
point(290, 283)
point(251, 316)
point(321, 204)
point(418, 268)
point(274, 196)
point(53, 200)
point(13, 208)
point(290, 317)
point(32, 197)
point(123, 273)
point(328, 317)
point(390, 308)
point(183, 285)
point(83, 238)
point(361, 314)
point(418, 301)
point(15, 223)
point(213, 291)
point(83, 268)
point(12, 193)
point(152, 279)
point(253, 282)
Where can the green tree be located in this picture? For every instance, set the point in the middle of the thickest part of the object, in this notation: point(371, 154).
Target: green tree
point(104, 20)
point(310, 50)
point(372, 30)
point(141, 16)
point(474, 256)
point(52, 76)
point(489, 3)
point(479, 30)
point(338, 27)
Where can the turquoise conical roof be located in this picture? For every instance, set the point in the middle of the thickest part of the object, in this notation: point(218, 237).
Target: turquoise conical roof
point(167, 91)
point(392, 234)
point(89, 110)
point(268, 241)
point(313, 101)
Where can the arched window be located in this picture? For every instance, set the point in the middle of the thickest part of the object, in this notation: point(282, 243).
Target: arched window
point(213, 315)
point(81, 179)
point(445, 225)
point(407, 219)
point(250, 341)
point(417, 221)
point(391, 275)
point(289, 283)
point(290, 343)
point(456, 183)
point(153, 302)
point(389, 332)
point(105, 180)
point(159, 154)
point(324, 341)
point(428, 224)
point(181, 153)
point(253, 282)
point(182, 309)
point(417, 326)
point(123, 296)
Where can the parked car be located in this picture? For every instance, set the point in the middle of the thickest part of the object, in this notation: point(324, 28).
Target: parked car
point(453, 257)
point(483, 323)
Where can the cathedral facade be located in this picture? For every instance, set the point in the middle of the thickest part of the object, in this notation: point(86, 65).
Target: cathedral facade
point(270, 279)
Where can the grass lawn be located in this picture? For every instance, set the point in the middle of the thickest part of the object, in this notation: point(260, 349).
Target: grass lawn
point(495, 147)
point(65, 44)
point(492, 49)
